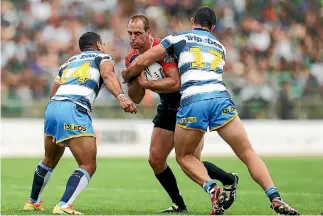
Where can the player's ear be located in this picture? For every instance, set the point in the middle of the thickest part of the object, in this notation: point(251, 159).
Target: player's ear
point(212, 28)
point(98, 45)
point(192, 21)
point(149, 31)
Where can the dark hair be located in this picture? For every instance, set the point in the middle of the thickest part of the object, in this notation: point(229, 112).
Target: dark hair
point(205, 16)
point(144, 20)
point(88, 40)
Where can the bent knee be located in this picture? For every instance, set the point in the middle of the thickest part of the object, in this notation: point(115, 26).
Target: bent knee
point(156, 160)
point(51, 162)
point(90, 168)
point(246, 155)
point(184, 158)
point(197, 154)
point(180, 158)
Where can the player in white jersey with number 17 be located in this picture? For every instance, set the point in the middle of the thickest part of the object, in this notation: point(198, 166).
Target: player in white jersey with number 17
point(206, 104)
point(68, 122)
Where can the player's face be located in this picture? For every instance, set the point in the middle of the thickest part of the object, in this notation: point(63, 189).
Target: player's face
point(138, 37)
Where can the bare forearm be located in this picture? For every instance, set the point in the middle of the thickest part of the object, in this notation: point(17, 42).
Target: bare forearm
point(166, 85)
point(135, 91)
point(156, 53)
point(139, 65)
point(112, 83)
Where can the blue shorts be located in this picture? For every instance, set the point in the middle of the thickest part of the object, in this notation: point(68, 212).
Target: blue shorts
point(212, 113)
point(65, 120)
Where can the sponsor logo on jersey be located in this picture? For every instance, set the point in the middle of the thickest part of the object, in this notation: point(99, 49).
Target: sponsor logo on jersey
point(92, 55)
point(73, 127)
point(205, 40)
point(229, 109)
point(188, 120)
point(72, 59)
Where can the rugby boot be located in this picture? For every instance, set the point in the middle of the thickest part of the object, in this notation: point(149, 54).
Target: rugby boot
point(173, 209)
point(30, 206)
point(282, 208)
point(69, 210)
point(231, 191)
point(218, 199)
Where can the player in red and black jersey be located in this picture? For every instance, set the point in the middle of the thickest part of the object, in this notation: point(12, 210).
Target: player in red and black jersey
point(162, 140)
point(170, 67)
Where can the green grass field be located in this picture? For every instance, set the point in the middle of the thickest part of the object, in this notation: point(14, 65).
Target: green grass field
point(127, 186)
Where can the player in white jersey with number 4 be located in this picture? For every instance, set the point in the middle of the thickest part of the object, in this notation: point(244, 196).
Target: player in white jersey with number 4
point(206, 104)
point(68, 122)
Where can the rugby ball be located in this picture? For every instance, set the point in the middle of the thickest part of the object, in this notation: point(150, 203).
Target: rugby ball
point(154, 72)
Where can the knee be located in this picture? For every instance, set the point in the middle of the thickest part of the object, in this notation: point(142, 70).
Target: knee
point(90, 168)
point(156, 161)
point(247, 155)
point(197, 154)
point(180, 159)
point(184, 159)
point(50, 162)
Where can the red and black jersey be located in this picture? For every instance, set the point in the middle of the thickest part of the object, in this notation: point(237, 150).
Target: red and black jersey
point(168, 99)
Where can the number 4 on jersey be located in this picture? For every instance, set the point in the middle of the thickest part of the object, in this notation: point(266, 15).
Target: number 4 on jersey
point(81, 73)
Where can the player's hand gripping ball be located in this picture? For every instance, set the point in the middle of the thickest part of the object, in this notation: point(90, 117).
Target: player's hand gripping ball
point(151, 73)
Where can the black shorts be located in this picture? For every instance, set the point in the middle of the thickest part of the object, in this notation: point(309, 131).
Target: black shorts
point(166, 117)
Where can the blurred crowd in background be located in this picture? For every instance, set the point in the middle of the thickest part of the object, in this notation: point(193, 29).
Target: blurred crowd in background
point(274, 63)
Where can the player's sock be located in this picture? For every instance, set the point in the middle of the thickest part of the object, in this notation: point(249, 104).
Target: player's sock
point(272, 193)
point(208, 187)
point(168, 181)
point(217, 173)
point(75, 185)
point(41, 177)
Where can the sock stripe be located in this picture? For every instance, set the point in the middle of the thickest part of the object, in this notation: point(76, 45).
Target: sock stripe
point(33, 200)
point(208, 185)
point(272, 193)
point(75, 185)
point(270, 190)
point(72, 183)
point(82, 184)
point(87, 175)
point(41, 177)
point(61, 203)
point(42, 165)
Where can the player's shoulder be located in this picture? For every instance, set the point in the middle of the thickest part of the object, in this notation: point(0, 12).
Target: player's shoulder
point(131, 55)
point(183, 33)
point(156, 41)
point(207, 37)
point(71, 59)
point(103, 56)
point(176, 37)
point(67, 63)
point(131, 52)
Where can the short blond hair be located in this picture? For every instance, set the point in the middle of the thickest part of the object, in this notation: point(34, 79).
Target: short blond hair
point(144, 20)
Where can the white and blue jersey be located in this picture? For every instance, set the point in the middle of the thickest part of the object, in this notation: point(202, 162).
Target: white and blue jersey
point(80, 79)
point(67, 113)
point(201, 58)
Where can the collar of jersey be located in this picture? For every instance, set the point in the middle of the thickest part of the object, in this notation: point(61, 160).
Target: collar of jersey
point(202, 29)
point(92, 50)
